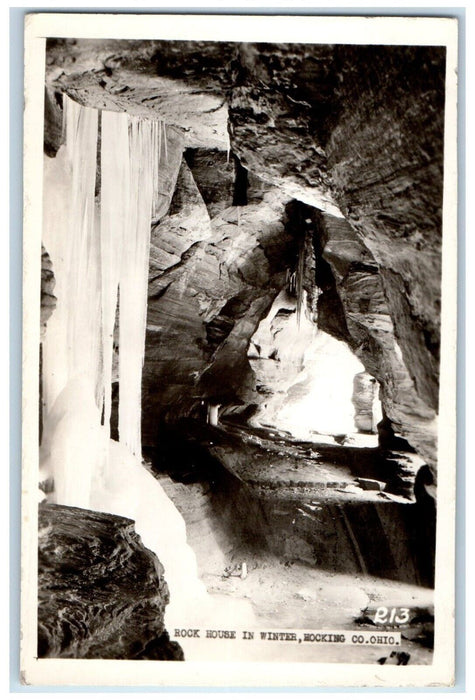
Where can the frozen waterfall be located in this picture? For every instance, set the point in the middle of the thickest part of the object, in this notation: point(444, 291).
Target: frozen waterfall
point(101, 254)
point(72, 346)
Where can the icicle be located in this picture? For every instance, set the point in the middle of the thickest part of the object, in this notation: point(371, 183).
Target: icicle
point(300, 293)
point(134, 283)
point(159, 128)
point(165, 145)
point(291, 282)
point(83, 254)
point(161, 198)
point(213, 414)
point(157, 204)
point(156, 145)
point(115, 196)
point(63, 124)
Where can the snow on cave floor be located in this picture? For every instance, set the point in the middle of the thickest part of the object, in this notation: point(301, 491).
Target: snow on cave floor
point(286, 594)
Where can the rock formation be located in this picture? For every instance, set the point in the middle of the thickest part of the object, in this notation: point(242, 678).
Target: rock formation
point(364, 396)
point(376, 116)
point(353, 283)
point(101, 593)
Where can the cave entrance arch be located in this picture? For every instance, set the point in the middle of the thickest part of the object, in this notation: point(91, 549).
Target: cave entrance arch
point(311, 384)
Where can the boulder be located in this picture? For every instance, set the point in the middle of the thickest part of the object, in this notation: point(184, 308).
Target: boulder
point(101, 593)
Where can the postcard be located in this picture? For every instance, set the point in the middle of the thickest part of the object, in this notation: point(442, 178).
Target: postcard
point(239, 338)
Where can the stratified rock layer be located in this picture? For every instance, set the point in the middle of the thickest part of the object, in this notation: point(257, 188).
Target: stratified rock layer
point(303, 501)
point(155, 79)
point(101, 593)
point(211, 280)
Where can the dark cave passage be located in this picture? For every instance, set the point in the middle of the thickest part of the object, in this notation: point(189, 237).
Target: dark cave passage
point(302, 543)
point(320, 515)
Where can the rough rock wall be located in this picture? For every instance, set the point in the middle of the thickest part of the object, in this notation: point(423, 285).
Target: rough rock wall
point(377, 114)
point(346, 267)
point(365, 393)
point(178, 82)
point(276, 355)
point(346, 297)
point(101, 593)
point(212, 278)
point(264, 493)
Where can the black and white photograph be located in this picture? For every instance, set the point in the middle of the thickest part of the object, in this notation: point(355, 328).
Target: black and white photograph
point(239, 350)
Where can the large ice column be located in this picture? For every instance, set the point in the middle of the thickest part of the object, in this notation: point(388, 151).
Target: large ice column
point(84, 298)
point(72, 373)
point(115, 198)
point(134, 281)
point(72, 345)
